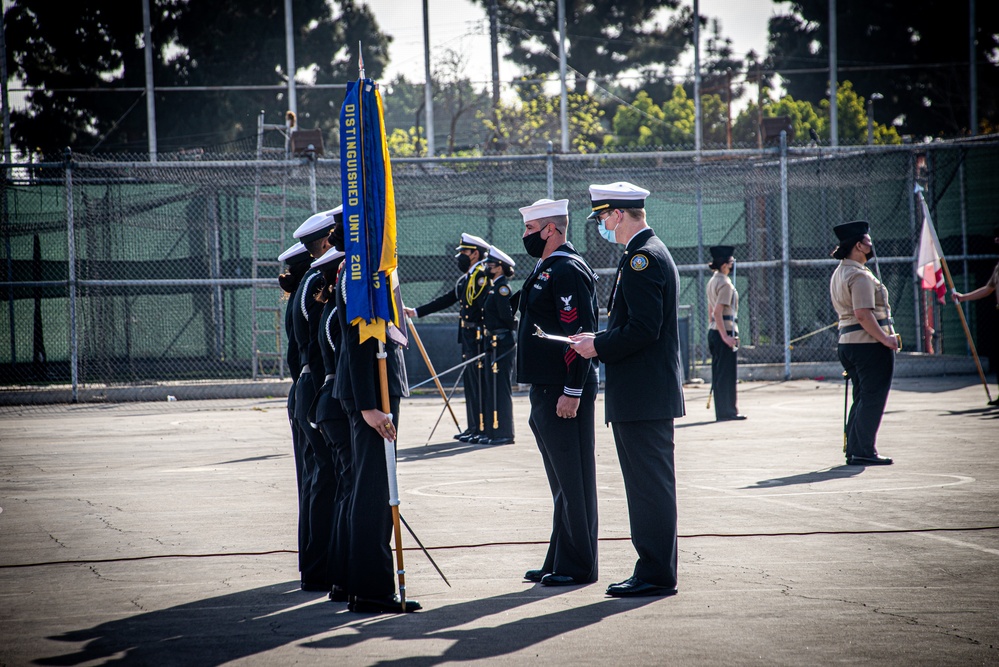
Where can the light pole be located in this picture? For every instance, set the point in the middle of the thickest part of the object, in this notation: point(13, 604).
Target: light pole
point(870, 116)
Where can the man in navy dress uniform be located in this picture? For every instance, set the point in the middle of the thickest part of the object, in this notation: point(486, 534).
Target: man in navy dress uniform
point(469, 292)
point(644, 382)
point(559, 297)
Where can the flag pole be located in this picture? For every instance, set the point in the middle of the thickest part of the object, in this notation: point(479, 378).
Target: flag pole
point(950, 284)
point(390, 466)
point(967, 332)
point(430, 367)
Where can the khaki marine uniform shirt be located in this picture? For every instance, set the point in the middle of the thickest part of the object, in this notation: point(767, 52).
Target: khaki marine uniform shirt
point(853, 286)
point(721, 291)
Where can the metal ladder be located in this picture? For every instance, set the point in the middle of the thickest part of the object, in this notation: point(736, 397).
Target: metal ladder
point(270, 206)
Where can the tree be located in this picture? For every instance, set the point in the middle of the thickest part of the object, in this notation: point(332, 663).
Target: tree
point(603, 37)
point(527, 125)
point(924, 44)
point(805, 116)
point(57, 45)
point(646, 125)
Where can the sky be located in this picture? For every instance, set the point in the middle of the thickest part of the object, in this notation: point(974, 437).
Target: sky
point(463, 26)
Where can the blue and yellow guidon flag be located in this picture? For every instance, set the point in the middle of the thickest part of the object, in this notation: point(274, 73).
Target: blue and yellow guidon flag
point(368, 215)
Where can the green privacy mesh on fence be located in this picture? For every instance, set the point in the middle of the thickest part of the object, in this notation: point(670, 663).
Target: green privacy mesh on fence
point(173, 275)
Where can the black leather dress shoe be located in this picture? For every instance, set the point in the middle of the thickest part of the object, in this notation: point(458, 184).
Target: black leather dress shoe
point(469, 437)
point(869, 461)
point(463, 434)
point(316, 586)
point(481, 440)
point(635, 587)
point(338, 594)
point(501, 441)
point(382, 605)
point(535, 575)
point(558, 580)
point(732, 418)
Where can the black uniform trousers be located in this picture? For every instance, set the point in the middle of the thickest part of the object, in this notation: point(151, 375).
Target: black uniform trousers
point(723, 375)
point(567, 449)
point(298, 448)
point(870, 367)
point(370, 572)
point(472, 381)
point(645, 449)
point(337, 433)
point(499, 376)
point(319, 486)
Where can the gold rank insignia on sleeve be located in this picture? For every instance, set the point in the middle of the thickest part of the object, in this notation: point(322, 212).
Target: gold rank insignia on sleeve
point(504, 290)
point(639, 262)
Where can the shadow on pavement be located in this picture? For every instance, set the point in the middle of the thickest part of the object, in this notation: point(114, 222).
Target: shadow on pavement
point(839, 472)
point(228, 628)
point(444, 626)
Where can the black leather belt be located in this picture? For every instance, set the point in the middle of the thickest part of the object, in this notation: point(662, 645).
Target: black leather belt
point(465, 324)
point(730, 318)
point(497, 332)
point(857, 327)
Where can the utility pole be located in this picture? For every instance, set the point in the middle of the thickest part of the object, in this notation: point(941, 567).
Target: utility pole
point(494, 49)
point(147, 36)
point(564, 100)
point(973, 73)
point(833, 84)
point(289, 48)
point(697, 77)
point(428, 88)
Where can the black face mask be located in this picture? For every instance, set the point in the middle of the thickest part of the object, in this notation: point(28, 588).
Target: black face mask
point(464, 263)
point(869, 255)
point(534, 244)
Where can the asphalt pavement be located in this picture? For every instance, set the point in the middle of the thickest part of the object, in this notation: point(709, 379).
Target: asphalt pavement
point(164, 534)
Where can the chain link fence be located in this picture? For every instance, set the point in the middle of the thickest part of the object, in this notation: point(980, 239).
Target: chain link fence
point(131, 273)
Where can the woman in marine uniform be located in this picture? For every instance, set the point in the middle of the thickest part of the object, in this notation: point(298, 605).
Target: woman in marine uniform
point(723, 332)
point(867, 341)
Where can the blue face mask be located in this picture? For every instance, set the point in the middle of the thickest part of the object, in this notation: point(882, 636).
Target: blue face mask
point(606, 233)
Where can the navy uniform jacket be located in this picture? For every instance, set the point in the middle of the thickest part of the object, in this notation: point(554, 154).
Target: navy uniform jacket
point(470, 291)
point(292, 358)
point(328, 407)
point(641, 345)
point(306, 318)
point(558, 296)
point(497, 312)
point(357, 368)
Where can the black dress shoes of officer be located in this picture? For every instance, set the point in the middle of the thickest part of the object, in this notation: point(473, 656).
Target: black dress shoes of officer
point(316, 586)
point(469, 436)
point(535, 575)
point(732, 418)
point(382, 605)
point(500, 441)
point(463, 434)
point(338, 594)
point(635, 587)
point(868, 461)
point(557, 580)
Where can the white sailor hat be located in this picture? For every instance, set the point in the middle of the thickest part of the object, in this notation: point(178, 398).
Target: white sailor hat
point(331, 256)
point(318, 226)
point(616, 195)
point(472, 242)
point(545, 208)
point(295, 254)
point(496, 255)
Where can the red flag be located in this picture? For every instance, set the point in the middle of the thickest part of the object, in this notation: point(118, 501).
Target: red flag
point(929, 254)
